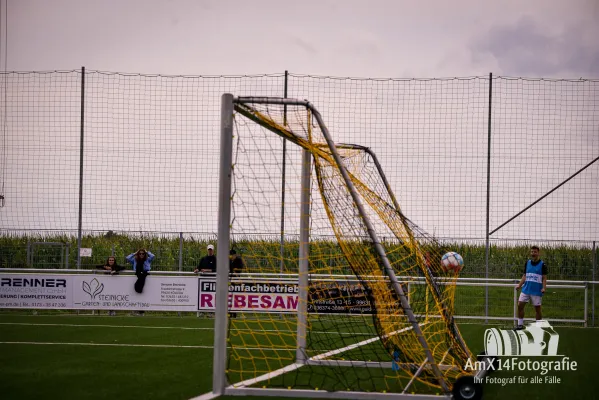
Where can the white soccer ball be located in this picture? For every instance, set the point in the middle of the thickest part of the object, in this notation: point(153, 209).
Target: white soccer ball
point(452, 261)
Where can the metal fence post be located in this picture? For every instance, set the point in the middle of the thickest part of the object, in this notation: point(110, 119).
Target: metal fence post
point(515, 304)
point(487, 244)
point(81, 167)
point(593, 267)
point(586, 302)
point(180, 251)
point(283, 173)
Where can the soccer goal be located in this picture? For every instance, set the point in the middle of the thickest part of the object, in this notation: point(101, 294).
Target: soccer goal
point(330, 310)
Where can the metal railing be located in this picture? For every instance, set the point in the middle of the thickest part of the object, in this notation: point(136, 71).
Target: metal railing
point(578, 308)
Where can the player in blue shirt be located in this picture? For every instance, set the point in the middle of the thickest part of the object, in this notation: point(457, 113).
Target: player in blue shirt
point(533, 284)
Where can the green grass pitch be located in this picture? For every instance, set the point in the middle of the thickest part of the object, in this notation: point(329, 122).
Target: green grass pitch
point(157, 357)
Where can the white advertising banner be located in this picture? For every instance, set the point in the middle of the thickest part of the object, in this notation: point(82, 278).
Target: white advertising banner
point(251, 296)
point(97, 292)
point(36, 291)
point(160, 293)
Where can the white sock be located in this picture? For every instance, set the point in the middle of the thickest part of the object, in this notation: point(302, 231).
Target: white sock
point(520, 321)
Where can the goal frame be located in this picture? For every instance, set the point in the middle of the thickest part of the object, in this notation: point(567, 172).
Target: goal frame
point(219, 381)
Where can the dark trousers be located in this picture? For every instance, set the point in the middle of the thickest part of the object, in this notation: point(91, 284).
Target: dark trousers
point(141, 281)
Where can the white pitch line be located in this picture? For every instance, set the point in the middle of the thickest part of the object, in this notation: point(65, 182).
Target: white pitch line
point(206, 396)
point(105, 326)
point(356, 345)
point(153, 345)
point(113, 345)
point(268, 375)
point(346, 333)
point(175, 327)
point(327, 354)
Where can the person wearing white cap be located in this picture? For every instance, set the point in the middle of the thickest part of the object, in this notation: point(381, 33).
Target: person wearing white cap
point(208, 262)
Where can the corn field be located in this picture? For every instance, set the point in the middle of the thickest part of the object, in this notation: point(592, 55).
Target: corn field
point(182, 252)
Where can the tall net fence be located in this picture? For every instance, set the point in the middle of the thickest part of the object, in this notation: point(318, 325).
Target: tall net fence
point(432, 137)
point(545, 133)
point(150, 150)
point(39, 160)
point(150, 154)
point(429, 135)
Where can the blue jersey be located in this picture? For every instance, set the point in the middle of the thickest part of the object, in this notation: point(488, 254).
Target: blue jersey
point(534, 278)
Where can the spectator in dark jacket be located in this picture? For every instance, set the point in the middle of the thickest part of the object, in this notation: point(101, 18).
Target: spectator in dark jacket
point(111, 267)
point(208, 262)
point(236, 264)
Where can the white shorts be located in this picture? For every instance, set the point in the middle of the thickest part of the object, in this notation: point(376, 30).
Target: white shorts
point(535, 300)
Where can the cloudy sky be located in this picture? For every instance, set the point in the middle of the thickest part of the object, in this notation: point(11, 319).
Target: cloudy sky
point(377, 38)
point(431, 135)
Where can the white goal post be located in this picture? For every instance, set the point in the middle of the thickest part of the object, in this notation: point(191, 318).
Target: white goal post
point(435, 368)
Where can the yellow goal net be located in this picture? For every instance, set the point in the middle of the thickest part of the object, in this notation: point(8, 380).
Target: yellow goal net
point(339, 291)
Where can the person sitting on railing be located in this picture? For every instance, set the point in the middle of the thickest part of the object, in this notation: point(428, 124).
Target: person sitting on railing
point(111, 267)
point(141, 261)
